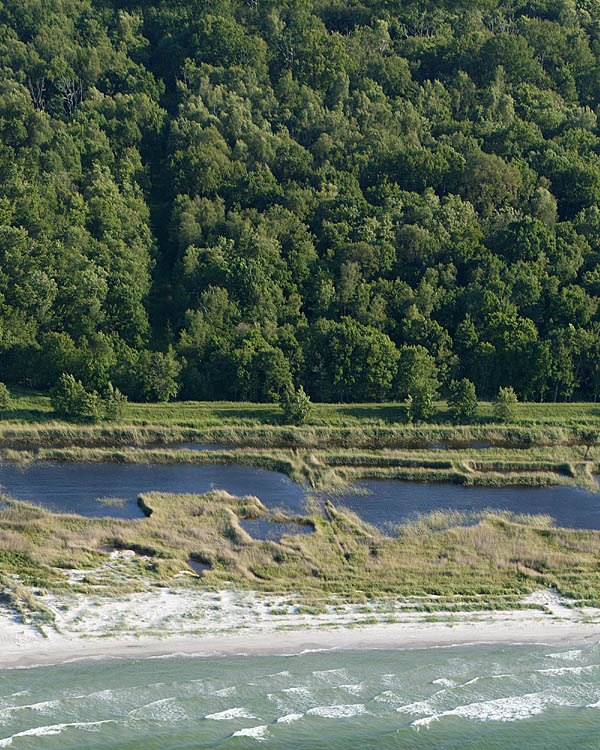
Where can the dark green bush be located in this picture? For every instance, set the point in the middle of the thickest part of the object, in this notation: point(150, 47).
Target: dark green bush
point(70, 399)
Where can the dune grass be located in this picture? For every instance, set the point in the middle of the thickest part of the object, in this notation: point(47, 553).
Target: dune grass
point(488, 560)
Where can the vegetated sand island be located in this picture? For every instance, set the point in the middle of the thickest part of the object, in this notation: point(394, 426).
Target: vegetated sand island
point(188, 577)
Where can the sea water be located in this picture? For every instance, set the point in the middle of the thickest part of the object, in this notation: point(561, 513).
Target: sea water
point(455, 698)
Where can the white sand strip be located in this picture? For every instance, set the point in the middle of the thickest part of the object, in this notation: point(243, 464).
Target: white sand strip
point(182, 622)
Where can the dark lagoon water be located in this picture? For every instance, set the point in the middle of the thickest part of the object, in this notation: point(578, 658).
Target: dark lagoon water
point(390, 501)
point(77, 487)
point(462, 698)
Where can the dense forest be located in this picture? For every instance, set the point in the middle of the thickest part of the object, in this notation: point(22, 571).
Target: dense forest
point(212, 199)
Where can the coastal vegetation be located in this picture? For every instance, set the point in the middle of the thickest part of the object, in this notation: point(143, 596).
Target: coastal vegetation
point(444, 561)
point(34, 408)
point(325, 445)
point(322, 469)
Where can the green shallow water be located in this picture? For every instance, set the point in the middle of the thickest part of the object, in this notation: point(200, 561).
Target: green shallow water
point(475, 697)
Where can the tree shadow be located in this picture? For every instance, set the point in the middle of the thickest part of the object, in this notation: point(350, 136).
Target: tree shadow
point(244, 414)
point(391, 414)
point(27, 415)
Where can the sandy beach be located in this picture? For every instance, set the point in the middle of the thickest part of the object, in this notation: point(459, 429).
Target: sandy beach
point(209, 623)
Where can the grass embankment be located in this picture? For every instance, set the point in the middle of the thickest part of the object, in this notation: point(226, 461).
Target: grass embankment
point(436, 563)
point(31, 423)
point(62, 434)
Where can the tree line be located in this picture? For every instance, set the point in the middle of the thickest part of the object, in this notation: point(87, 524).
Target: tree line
point(234, 199)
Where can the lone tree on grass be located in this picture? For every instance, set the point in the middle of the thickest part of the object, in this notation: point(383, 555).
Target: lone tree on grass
point(418, 382)
point(462, 401)
point(504, 405)
point(114, 403)
point(296, 405)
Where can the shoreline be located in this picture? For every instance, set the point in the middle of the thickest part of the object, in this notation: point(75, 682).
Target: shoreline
point(501, 628)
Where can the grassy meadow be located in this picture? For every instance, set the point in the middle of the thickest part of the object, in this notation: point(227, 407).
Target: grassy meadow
point(31, 407)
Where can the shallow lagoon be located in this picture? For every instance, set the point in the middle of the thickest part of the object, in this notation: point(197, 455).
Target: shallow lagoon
point(77, 487)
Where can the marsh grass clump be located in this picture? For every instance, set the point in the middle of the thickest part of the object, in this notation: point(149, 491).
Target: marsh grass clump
point(112, 502)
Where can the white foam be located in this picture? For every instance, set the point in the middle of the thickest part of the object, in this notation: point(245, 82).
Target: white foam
point(288, 718)
point(568, 670)
point(301, 691)
point(310, 651)
point(565, 654)
point(114, 695)
point(42, 707)
point(231, 713)
point(224, 692)
point(593, 705)
point(353, 689)
point(418, 707)
point(179, 655)
point(257, 733)
point(425, 722)
point(387, 697)
point(329, 674)
point(501, 709)
point(444, 682)
point(161, 710)
point(102, 657)
point(47, 706)
point(53, 729)
point(508, 709)
point(338, 712)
